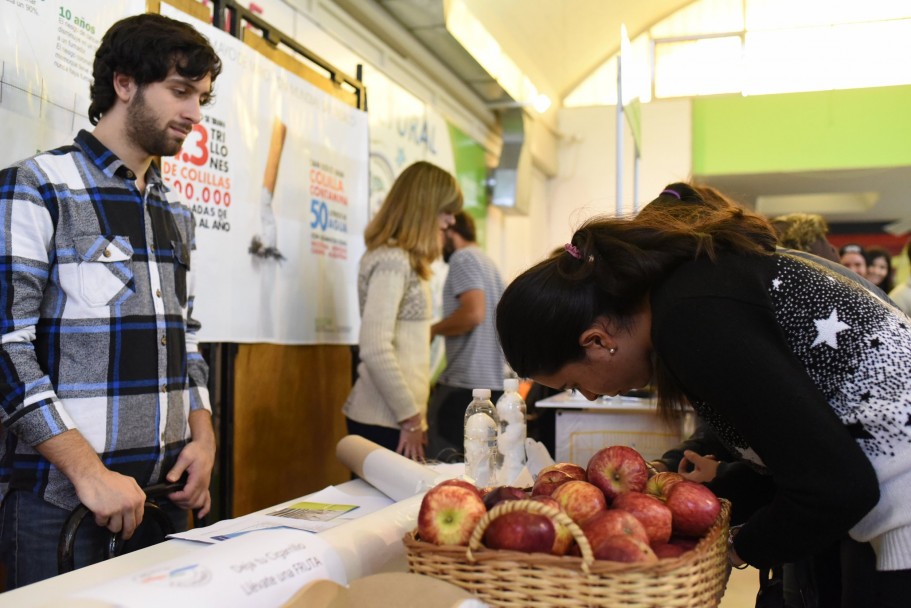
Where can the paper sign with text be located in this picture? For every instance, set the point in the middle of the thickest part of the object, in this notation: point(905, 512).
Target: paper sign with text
point(260, 569)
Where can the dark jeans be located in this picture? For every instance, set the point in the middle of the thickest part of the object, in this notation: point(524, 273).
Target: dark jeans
point(381, 435)
point(446, 420)
point(30, 532)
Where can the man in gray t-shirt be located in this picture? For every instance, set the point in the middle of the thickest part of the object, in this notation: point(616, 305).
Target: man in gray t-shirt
point(473, 357)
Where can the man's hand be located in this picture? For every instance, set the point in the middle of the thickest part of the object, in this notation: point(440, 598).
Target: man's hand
point(196, 459)
point(116, 501)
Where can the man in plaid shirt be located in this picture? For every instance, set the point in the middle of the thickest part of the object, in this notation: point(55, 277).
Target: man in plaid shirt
point(103, 388)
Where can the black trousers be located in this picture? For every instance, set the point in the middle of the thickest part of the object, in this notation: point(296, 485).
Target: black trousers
point(384, 436)
point(845, 576)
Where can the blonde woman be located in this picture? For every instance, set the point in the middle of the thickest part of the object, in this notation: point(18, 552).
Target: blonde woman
point(389, 399)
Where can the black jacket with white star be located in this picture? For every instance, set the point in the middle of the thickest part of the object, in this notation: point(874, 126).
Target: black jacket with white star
point(808, 376)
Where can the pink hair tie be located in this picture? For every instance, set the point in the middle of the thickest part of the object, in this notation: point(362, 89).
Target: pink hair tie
point(673, 193)
point(573, 251)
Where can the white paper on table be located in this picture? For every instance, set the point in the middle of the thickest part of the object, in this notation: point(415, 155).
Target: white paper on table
point(263, 569)
point(261, 520)
point(373, 544)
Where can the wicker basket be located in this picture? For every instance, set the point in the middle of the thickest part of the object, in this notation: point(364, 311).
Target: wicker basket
point(696, 579)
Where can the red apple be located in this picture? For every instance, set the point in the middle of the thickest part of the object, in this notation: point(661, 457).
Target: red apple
point(521, 531)
point(623, 548)
point(501, 493)
point(462, 483)
point(653, 514)
point(667, 550)
point(659, 484)
point(570, 468)
point(684, 541)
point(449, 513)
point(613, 522)
point(617, 469)
point(580, 500)
point(564, 538)
point(694, 508)
point(548, 481)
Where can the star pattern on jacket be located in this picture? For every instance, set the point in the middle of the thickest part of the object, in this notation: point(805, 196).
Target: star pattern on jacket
point(853, 348)
point(828, 330)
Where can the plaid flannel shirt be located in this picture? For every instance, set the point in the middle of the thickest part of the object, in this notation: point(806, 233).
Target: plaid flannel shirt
point(97, 328)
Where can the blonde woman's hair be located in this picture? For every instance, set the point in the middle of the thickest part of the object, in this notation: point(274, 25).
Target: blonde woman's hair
point(408, 217)
point(800, 230)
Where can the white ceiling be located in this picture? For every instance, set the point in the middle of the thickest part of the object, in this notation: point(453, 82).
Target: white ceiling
point(559, 42)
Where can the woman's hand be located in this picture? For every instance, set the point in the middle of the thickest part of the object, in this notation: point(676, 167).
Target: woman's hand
point(412, 438)
point(704, 468)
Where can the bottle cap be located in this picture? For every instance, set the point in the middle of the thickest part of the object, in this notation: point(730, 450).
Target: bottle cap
point(481, 393)
point(511, 385)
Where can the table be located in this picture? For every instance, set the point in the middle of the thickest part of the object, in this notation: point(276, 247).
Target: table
point(583, 427)
point(52, 592)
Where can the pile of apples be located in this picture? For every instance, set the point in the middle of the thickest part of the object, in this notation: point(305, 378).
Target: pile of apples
point(626, 514)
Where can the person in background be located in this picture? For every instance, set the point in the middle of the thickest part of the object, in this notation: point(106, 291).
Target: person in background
point(879, 268)
point(104, 390)
point(473, 357)
point(804, 235)
point(902, 293)
point(854, 258)
point(805, 232)
point(780, 356)
point(388, 401)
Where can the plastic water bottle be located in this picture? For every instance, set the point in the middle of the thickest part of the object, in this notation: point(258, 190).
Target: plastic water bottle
point(513, 430)
point(481, 427)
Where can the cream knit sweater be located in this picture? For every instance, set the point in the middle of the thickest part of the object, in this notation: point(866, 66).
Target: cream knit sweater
point(394, 372)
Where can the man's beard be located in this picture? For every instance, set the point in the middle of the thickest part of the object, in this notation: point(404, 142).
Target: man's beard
point(448, 248)
point(144, 131)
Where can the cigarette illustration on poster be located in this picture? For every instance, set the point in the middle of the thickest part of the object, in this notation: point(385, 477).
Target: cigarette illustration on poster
point(265, 244)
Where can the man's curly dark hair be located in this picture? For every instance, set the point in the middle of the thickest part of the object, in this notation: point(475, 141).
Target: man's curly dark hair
point(146, 47)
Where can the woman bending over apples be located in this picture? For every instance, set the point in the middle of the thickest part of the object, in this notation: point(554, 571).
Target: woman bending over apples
point(800, 372)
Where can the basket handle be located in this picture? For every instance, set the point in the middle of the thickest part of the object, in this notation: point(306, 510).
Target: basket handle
point(537, 508)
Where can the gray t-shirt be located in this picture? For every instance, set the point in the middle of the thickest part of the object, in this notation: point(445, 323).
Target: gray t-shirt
point(474, 359)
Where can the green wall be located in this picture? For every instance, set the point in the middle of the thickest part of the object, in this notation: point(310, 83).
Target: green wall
point(858, 128)
point(471, 171)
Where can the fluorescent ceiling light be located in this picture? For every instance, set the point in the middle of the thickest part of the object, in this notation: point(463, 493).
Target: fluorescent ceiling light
point(822, 203)
point(480, 44)
point(541, 103)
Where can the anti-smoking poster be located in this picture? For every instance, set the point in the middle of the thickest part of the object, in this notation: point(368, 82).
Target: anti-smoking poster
point(276, 173)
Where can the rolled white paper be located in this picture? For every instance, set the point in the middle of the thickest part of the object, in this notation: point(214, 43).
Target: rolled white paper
point(392, 474)
point(373, 543)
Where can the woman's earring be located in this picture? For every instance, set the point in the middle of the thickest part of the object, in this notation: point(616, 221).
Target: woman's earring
point(612, 350)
